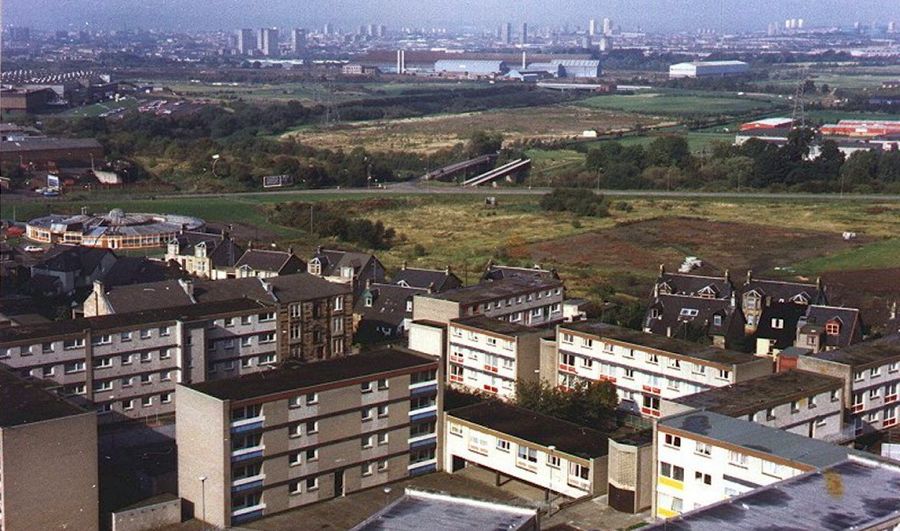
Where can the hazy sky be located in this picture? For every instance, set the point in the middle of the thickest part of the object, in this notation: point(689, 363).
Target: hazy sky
point(629, 14)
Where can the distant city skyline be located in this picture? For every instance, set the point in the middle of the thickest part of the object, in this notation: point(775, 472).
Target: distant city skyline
point(649, 15)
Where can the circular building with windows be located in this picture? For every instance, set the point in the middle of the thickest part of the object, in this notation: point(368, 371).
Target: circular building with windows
point(115, 230)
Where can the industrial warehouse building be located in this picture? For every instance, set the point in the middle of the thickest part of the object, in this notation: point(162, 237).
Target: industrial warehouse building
point(578, 68)
point(471, 68)
point(707, 69)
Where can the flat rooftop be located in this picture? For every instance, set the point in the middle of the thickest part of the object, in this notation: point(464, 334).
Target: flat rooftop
point(310, 375)
point(41, 143)
point(867, 353)
point(497, 289)
point(124, 320)
point(757, 394)
point(535, 427)
point(772, 441)
point(419, 510)
point(498, 326)
point(661, 343)
point(26, 401)
point(853, 494)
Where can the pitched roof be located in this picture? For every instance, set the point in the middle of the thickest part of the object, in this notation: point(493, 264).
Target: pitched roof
point(757, 394)
point(270, 260)
point(675, 311)
point(72, 258)
point(782, 291)
point(135, 269)
point(388, 305)
point(221, 250)
point(434, 279)
point(332, 260)
point(686, 284)
point(817, 316)
point(147, 296)
point(786, 314)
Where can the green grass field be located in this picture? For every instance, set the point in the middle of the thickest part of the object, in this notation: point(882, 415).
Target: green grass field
point(884, 253)
point(681, 104)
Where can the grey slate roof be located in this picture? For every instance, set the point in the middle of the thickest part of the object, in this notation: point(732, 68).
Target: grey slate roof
point(388, 310)
point(687, 284)
point(781, 291)
point(333, 260)
point(816, 317)
point(670, 316)
point(858, 493)
point(434, 279)
point(72, 258)
point(756, 437)
point(789, 314)
point(270, 260)
point(222, 250)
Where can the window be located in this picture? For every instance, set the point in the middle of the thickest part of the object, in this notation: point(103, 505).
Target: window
point(773, 469)
point(368, 441)
point(295, 487)
point(383, 384)
point(46, 372)
point(724, 374)
point(146, 333)
point(671, 471)
point(147, 401)
point(383, 439)
point(858, 376)
point(456, 429)
point(294, 459)
point(894, 366)
point(267, 338)
point(629, 374)
point(73, 367)
point(246, 320)
point(553, 461)
point(503, 445)
point(295, 402)
point(717, 320)
point(312, 455)
point(103, 386)
point(382, 411)
point(674, 363)
point(587, 342)
point(165, 376)
point(835, 395)
point(101, 340)
point(527, 454)
point(125, 337)
point(338, 303)
point(265, 317)
point(266, 359)
point(738, 459)
point(146, 357)
point(127, 405)
point(103, 363)
point(312, 484)
point(312, 427)
point(832, 328)
point(47, 348)
point(874, 393)
point(703, 449)
point(778, 324)
point(689, 312)
point(163, 331)
point(71, 344)
point(295, 431)
point(706, 479)
point(127, 381)
point(165, 398)
point(672, 440)
point(567, 338)
point(312, 398)
point(366, 413)
point(366, 469)
point(698, 368)
point(652, 358)
point(382, 465)
point(874, 372)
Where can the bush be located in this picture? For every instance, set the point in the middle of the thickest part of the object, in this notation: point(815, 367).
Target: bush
point(579, 202)
point(419, 250)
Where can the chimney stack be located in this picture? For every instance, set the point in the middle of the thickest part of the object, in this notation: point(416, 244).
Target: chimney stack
point(749, 275)
point(662, 269)
point(403, 266)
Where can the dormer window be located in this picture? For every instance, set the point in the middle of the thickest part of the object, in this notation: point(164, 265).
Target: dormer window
point(707, 293)
point(314, 267)
point(200, 250)
point(654, 313)
point(833, 328)
point(369, 300)
point(689, 312)
point(800, 298)
point(778, 324)
point(347, 272)
point(665, 288)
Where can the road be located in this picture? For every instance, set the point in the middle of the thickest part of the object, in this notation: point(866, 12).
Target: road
point(422, 189)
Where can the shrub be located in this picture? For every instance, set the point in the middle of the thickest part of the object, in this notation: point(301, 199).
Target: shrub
point(578, 202)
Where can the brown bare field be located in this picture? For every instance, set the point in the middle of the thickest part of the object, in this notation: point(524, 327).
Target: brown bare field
point(432, 133)
point(667, 240)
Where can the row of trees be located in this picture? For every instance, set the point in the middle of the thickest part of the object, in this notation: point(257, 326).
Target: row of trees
point(329, 221)
point(802, 164)
point(591, 404)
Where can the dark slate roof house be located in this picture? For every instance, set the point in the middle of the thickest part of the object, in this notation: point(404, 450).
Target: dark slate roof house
point(384, 312)
point(437, 280)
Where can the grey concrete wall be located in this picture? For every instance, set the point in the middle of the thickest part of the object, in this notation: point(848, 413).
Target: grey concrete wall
point(146, 518)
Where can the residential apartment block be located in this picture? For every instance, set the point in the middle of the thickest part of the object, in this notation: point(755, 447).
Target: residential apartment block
point(48, 460)
point(799, 402)
point(489, 355)
point(526, 300)
point(837, 496)
point(871, 377)
point(127, 365)
point(704, 457)
point(268, 442)
point(645, 368)
point(543, 451)
point(314, 317)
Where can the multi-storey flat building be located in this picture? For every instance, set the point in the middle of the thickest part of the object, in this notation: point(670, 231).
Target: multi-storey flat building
point(127, 365)
point(871, 375)
point(544, 451)
point(645, 368)
point(268, 442)
point(704, 457)
point(800, 402)
point(490, 355)
point(314, 317)
point(48, 460)
point(526, 300)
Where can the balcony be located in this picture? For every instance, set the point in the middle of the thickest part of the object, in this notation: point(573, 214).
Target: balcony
point(422, 440)
point(856, 408)
point(248, 424)
point(247, 514)
point(567, 368)
point(456, 378)
point(422, 467)
point(244, 454)
point(245, 484)
point(651, 389)
point(890, 398)
point(425, 388)
point(423, 413)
